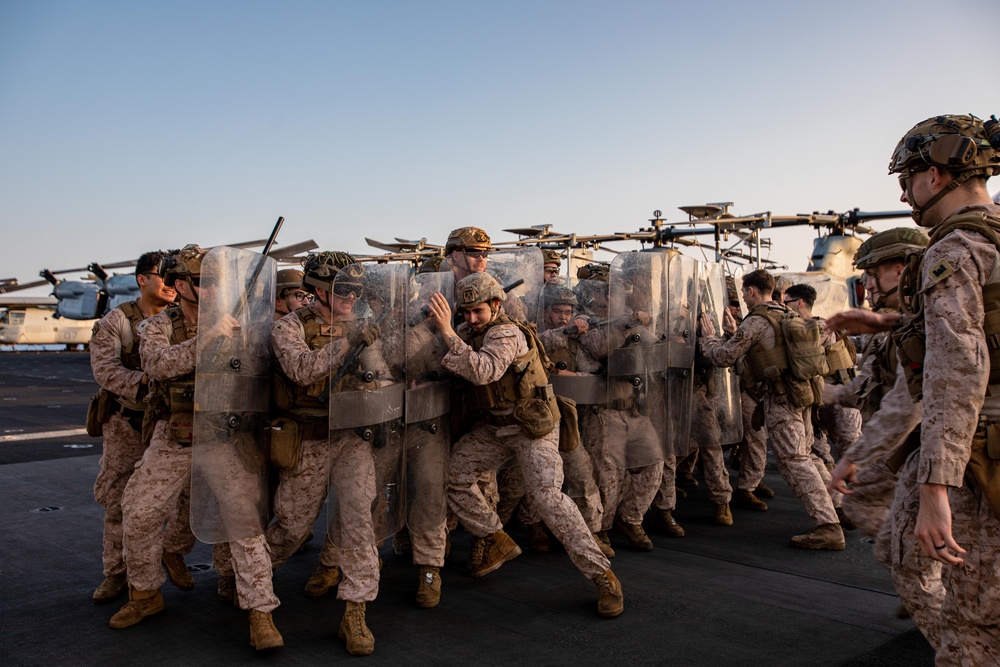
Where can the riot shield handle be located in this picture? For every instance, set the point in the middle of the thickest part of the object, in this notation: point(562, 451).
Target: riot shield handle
point(351, 360)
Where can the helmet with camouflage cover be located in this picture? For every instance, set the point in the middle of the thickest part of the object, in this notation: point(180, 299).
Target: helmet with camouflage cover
point(897, 243)
point(321, 269)
point(183, 264)
point(599, 272)
point(288, 279)
point(467, 237)
point(965, 146)
point(555, 293)
point(551, 257)
point(477, 288)
point(431, 265)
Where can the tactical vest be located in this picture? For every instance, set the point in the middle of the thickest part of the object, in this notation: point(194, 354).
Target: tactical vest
point(911, 339)
point(882, 377)
point(172, 399)
point(564, 358)
point(841, 357)
point(308, 402)
point(130, 355)
point(522, 380)
point(770, 368)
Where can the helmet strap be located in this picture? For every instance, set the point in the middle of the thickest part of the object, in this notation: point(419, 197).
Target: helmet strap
point(920, 209)
point(193, 302)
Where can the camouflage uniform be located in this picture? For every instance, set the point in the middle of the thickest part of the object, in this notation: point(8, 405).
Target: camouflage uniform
point(487, 446)
point(706, 433)
point(345, 462)
point(790, 428)
point(753, 449)
point(112, 338)
point(955, 403)
point(164, 472)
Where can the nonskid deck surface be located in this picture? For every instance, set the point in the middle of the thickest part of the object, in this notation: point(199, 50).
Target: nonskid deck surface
point(720, 596)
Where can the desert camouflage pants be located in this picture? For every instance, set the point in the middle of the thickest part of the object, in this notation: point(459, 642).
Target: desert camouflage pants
point(868, 504)
point(627, 458)
point(346, 465)
point(753, 450)
point(918, 579)
point(150, 495)
point(485, 448)
point(790, 429)
point(122, 450)
point(427, 457)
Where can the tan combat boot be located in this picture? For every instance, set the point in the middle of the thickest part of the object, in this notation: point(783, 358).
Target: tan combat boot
point(429, 590)
point(723, 517)
point(499, 549)
point(636, 535)
point(227, 587)
point(476, 549)
point(604, 544)
point(763, 491)
point(110, 588)
point(322, 580)
point(610, 599)
point(140, 605)
point(538, 538)
point(353, 629)
point(177, 571)
point(828, 536)
point(748, 500)
point(671, 527)
point(263, 634)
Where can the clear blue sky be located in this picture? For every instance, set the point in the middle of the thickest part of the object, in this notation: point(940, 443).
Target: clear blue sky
point(128, 126)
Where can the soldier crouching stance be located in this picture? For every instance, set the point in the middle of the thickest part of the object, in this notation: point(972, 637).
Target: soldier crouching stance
point(168, 351)
point(508, 381)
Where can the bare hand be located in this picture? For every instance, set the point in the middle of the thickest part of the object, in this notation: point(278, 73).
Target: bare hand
point(933, 528)
point(440, 313)
point(859, 321)
point(224, 328)
point(843, 473)
point(642, 316)
point(581, 324)
point(707, 325)
point(729, 323)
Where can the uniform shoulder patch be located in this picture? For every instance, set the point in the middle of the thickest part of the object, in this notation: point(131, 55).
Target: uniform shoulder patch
point(941, 270)
point(739, 335)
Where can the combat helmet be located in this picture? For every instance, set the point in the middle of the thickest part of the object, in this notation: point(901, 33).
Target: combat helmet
point(467, 237)
point(963, 145)
point(551, 257)
point(555, 293)
point(599, 272)
point(431, 265)
point(477, 288)
point(321, 268)
point(183, 264)
point(897, 243)
point(288, 279)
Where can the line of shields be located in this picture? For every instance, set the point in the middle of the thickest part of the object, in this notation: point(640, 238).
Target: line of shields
point(389, 402)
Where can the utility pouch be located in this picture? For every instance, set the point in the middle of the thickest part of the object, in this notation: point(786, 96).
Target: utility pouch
point(534, 417)
point(801, 393)
point(98, 413)
point(181, 427)
point(569, 424)
point(984, 464)
point(286, 443)
point(910, 350)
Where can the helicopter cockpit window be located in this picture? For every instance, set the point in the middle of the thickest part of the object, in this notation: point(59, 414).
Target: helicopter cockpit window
point(13, 318)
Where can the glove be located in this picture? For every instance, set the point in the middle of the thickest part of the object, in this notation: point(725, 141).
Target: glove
point(366, 335)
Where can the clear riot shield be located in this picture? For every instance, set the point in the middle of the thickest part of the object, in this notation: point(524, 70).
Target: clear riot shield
point(428, 400)
point(521, 272)
point(232, 397)
point(637, 359)
point(832, 294)
point(682, 309)
point(570, 328)
point(366, 392)
point(721, 386)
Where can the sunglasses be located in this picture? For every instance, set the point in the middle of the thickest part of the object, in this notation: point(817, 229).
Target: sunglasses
point(476, 254)
point(196, 281)
point(345, 290)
